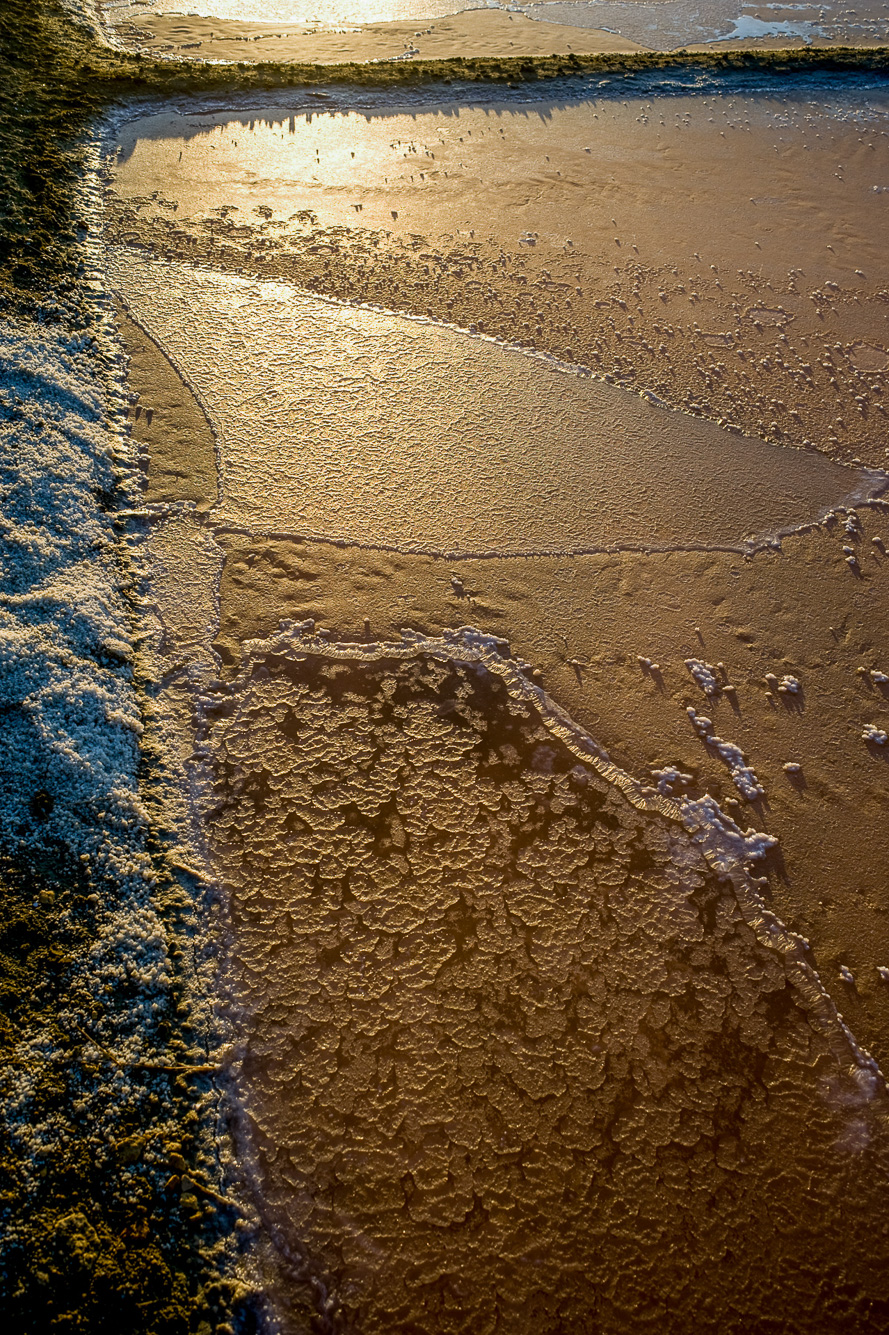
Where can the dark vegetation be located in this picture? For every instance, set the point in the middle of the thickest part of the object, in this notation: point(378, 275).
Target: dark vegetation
point(98, 1241)
point(100, 1237)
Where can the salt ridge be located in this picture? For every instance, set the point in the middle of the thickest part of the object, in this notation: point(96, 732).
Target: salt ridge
point(72, 748)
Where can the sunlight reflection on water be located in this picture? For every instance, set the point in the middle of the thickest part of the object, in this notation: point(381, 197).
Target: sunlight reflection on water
point(659, 24)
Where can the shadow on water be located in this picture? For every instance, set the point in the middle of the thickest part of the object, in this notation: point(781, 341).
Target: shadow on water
point(533, 100)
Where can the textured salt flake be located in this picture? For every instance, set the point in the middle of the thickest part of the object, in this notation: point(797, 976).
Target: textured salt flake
point(705, 676)
point(725, 844)
point(732, 756)
point(668, 777)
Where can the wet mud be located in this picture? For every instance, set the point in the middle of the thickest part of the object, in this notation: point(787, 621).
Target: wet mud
point(512, 1058)
point(722, 253)
point(420, 29)
point(170, 427)
point(122, 1207)
point(526, 1036)
point(366, 429)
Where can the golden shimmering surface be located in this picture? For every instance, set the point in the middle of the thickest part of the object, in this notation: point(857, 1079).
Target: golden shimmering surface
point(363, 427)
point(375, 29)
point(524, 1044)
point(725, 252)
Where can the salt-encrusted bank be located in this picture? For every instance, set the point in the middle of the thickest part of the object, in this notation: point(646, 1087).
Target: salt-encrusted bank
point(130, 1052)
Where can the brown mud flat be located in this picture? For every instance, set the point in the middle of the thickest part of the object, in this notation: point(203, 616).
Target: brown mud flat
point(585, 621)
point(496, 1022)
point(492, 34)
point(723, 253)
point(740, 345)
point(513, 1059)
point(39, 240)
point(474, 33)
point(175, 439)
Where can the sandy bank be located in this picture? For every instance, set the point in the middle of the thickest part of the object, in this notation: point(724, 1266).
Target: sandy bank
point(473, 33)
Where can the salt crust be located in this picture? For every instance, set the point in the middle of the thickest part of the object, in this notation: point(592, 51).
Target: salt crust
point(743, 776)
point(72, 724)
point(705, 675)
point(728, 850)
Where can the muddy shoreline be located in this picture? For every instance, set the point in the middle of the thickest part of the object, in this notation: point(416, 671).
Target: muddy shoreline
point(128, 1236)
